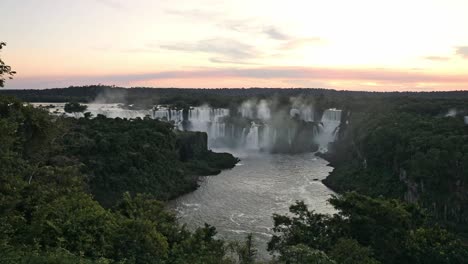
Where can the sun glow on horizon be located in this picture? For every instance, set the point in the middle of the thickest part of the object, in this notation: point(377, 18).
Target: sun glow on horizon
point(361, 45)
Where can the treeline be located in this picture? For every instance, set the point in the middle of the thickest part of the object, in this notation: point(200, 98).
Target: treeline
point(222, 97)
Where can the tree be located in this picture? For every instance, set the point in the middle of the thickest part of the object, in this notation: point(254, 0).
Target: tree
point(246, 251)
point(349, 251)
point(301, 253)
point(5, 70)
point(74, 107)
point(364, 230)
point(435, 245)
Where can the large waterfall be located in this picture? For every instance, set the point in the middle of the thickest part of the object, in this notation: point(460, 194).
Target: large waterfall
point(257, 127)
point(254, 126)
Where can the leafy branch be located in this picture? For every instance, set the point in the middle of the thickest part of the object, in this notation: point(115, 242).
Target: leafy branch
point(5, 70)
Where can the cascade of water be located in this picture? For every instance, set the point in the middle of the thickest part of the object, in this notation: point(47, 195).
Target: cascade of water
point(268, 130)
point(307, 114)
point(252, 137)
point(266, 137)
point(331, 120)
point(243, 137)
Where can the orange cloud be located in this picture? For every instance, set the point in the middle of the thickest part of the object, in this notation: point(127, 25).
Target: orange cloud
point(343, 78)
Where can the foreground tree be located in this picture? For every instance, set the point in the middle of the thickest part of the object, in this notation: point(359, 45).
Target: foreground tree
point(5, 70)
point(365, 230)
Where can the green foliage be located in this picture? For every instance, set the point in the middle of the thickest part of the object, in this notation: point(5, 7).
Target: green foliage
point(57, 173)
point(47, 214)
point(246, 251)
point(381, 223)
point(411, 152)
point(305, 227)
point(434, 245)
point(365, 230)
point(74, 222)
point(54, 256)
point(5, 70)
point(140, 156)
point(349, 251)
point(74, 107)
point(199, 248)
point(299, 254)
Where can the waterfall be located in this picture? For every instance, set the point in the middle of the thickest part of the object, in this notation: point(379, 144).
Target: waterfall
point(265, 137)
point(251, 141)
point(330, 123)
point(243, 137)
point(264, 130)
point(255, 125)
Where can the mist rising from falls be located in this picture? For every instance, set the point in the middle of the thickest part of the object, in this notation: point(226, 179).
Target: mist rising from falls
point(258, 125)
point(255, 125)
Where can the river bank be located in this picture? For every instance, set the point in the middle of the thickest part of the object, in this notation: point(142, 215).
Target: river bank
point(244, 199)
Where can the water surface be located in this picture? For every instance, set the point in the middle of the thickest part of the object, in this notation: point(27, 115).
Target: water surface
point(242, 200)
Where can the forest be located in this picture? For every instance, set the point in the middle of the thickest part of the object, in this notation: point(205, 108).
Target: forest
point(416, 151)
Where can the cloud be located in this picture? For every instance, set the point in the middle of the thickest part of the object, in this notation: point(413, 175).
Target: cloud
point(240, 25)
point(437, 58)
point(288, 73)
point(140, 50)
point(222, 60)
point(339, 78)
point(227, 48)
point(251, 26)
point(462, 51)
point(148, 48)
point(193, 14)
point(301, 42)
point(275, 33)
point(111, 3)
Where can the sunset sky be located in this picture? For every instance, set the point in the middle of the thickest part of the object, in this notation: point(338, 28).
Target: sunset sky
point(417, 45)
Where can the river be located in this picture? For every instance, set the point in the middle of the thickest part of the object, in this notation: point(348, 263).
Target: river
point(243, 200)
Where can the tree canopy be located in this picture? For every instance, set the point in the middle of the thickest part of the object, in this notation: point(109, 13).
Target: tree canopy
point(5, 70)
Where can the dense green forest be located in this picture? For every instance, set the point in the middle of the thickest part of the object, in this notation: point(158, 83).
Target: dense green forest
point(52, 169)
point(70, 194)
point(140, 156)
point(413, 150)
point(365, 230)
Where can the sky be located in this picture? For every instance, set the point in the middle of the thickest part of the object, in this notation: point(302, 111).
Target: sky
point(374, 45)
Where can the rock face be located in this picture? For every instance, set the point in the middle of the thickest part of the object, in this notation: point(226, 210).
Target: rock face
point(193, 150)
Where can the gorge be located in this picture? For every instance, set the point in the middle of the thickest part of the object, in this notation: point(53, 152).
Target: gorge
point(267, 180)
